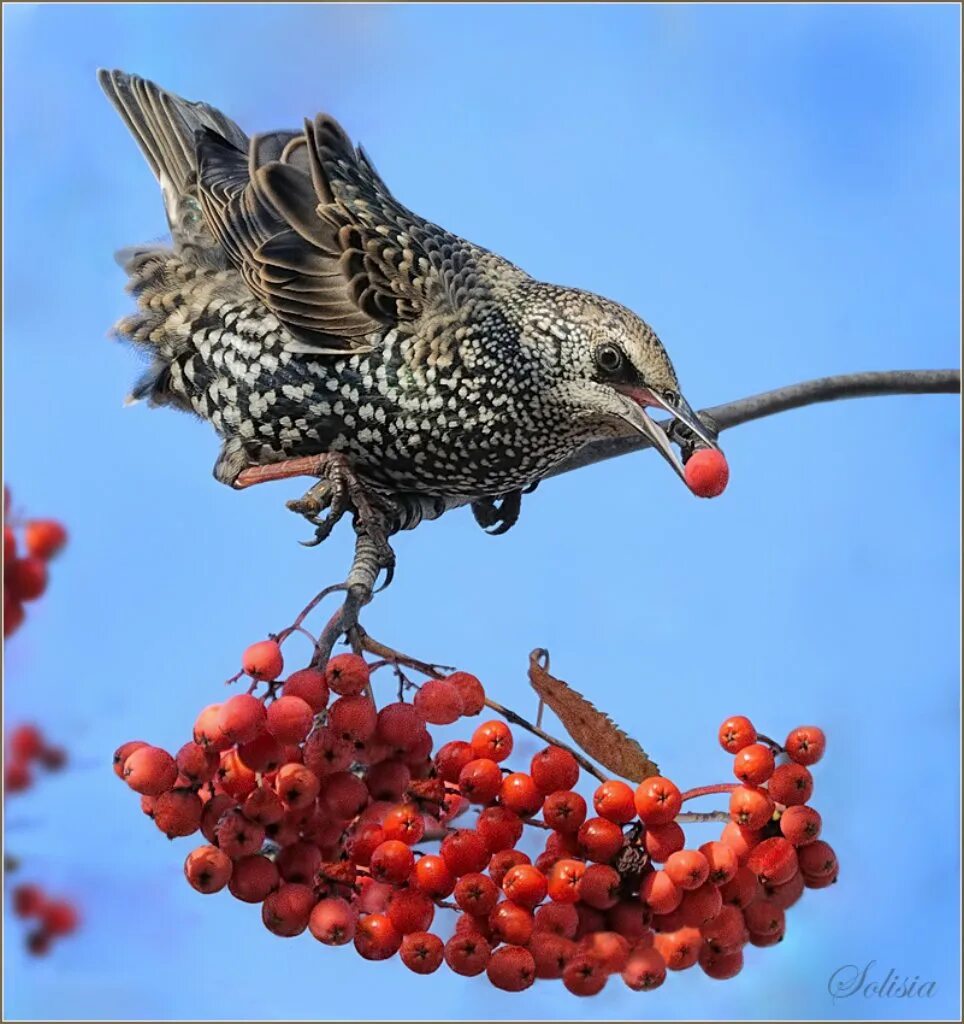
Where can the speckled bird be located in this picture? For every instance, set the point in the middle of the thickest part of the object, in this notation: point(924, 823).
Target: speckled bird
point(303, 310)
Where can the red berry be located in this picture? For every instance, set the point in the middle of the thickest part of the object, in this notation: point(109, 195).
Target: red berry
point(286, 910)
point(477, 894)
point(123, 752)
point(310, 685)
point(645, 971)
point(599, 886)
point(242, 717)
point(28, 900)
point(297, 786)
point(438, 702)
point(253, 878)
point(680, 949)
point(299, 862)
point(721, 966)
point(817, 861)
point(736, 733)
point(707, 472)
point(237, 836)
point(214, 808)
point(433, 877)
point(722, 861)
point(16, 777)
point(464, 851)
point(742, 889)
point(27, 578)
point(750, 806)
point(470, 690)
point(660, 893)
point(453, 757)
point(753, 764)
point(762, 918)
point(235, 777)
point(584, 975)
point(773, 861)
point(499, 827)
point(196, 763)
point(609, 948)
point(689, 869)
point(525, 885)
point(26, 743)
point(58, 917)
point(801, 825)
point(392, 862)
point(410, 911)
point(347, 674)
point(353, 719)
point(630, 919)
point(324, 752)
point(150, 771)
point(289, 719)
point(520, 794)
point(333, 921)
point(600, 840)
point(398, 724)
point(263, 661)
point(493, 740)
point(263, 754)
point(502, 861)
point(553, 769)
point(405, 823)
point(9, 545)
point(376, 938)
point(178, 813)
point(421, 952)
point(660, 841)
point(791, 785)
point(657, 801)
point(207, 730)
point(44, 537)
point(805, 744)
point(510, 922)
point(560, 919)
point(700, 905)
point(565, 811)
point(13, 614)
point(480, 780)
point(467, 955)
point(40, 940)
point(551, 953)
point(740, 839)
point(614, 800)
point(208, 869)
point(787, 893)
point(563, 880)
point(388, 780)
point(726, 932)
point(343, 794)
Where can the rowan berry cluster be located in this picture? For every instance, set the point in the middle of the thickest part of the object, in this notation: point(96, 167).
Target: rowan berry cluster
point(336, 816)
point(27, 749)
point(25, 572)
point(55, 918)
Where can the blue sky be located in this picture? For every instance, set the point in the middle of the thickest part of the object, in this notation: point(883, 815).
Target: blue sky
point(776, 189)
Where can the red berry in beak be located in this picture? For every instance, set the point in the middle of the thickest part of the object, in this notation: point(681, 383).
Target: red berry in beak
point(707, 473)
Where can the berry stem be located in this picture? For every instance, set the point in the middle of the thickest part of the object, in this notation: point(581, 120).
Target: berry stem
point(720, 787)
point(372, 646)
point(690, 817)
point(774, 746)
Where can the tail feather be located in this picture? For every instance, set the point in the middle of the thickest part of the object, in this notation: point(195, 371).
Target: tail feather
point(164, 127)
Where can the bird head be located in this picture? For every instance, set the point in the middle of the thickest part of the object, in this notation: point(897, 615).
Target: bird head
point(610, 368)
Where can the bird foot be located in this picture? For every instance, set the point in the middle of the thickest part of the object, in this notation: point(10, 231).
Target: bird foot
point(498, 515)
point(324, 504)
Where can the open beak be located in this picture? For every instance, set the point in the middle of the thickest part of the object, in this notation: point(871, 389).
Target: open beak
point(635, 414)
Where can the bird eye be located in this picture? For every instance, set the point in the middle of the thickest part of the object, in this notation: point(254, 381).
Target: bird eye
point(671, 398)
point(609, 358)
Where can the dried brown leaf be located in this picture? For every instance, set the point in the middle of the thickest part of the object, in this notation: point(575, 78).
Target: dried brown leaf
point(593, 730)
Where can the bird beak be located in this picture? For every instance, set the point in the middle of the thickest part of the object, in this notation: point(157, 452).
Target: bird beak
point(634, 413)
point(682, 412)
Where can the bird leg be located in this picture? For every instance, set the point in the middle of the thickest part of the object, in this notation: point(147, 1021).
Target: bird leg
point(338, 491)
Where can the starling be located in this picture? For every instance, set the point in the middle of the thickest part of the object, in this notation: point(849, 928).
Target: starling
point(324, 329)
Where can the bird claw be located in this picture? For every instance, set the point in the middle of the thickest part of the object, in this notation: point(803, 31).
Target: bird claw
point(498, 515)
point(338, 491)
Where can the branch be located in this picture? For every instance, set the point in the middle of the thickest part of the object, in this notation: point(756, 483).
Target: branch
point(793, 396)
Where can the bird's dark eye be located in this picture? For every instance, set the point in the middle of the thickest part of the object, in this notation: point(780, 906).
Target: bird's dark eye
point(671, 398)
point(610, 358)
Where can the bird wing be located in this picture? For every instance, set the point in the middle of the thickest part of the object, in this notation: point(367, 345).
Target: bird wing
point(320, 239)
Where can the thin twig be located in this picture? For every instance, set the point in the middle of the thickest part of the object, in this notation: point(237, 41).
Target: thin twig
point(690, 817)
